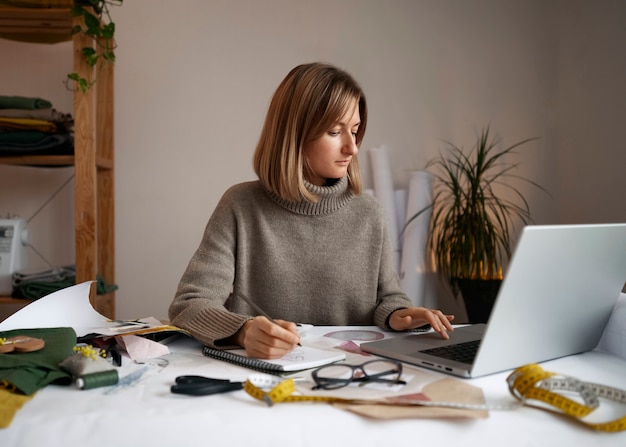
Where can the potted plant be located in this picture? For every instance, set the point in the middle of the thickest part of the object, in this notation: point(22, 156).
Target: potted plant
point(471, 223)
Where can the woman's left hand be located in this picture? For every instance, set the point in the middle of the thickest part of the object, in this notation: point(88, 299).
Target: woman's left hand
point(413, 317)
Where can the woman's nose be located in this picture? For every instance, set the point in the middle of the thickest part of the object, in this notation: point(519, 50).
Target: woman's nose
point(349, 146)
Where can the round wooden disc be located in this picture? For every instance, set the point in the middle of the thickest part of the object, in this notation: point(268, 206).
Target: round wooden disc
point(21, 343)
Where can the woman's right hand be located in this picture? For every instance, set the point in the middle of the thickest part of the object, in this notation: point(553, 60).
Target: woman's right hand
point(264, 339)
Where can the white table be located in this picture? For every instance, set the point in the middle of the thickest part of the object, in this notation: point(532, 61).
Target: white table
point(148, 414)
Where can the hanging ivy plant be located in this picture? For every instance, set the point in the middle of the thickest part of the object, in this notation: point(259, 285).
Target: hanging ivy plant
point(98, 25)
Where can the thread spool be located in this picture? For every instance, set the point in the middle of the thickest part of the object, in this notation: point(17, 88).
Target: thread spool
point(97, 380)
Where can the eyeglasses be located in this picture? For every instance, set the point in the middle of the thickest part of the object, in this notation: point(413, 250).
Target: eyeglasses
point(331, 377)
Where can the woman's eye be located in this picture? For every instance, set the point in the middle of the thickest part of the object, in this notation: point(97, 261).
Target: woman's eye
point(333, 133)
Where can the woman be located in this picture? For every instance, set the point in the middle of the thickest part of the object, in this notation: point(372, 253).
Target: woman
point(302, 242)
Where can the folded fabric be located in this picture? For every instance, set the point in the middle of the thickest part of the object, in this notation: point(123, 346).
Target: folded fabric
point(23, 102)
point(10, 403)
point(27, 372)
point(28, 142)
point(46, 275)
point(27, 124)
point(36, 114)
point(23, 374)
point(37, 288)
point(64, 121)
point(22, 138)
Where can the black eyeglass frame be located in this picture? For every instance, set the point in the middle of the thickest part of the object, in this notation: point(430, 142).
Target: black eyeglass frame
point(329, 383)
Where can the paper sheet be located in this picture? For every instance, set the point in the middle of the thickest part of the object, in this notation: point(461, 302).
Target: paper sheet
point(69, 307)
point(614, 338)
point(378, 398)
point(444, 390)
point(141, 348)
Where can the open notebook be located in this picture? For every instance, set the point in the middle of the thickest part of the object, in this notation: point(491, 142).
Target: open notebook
point(301, 358)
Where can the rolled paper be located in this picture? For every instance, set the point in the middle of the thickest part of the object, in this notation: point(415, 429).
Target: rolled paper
point(400, 198)
point(414, 268)
point(384, 192)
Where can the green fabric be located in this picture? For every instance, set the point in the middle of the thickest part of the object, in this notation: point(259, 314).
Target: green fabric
point(31, 371)
point(23, 102)
point(22, 136)
point(38, 289)
point(33, 290)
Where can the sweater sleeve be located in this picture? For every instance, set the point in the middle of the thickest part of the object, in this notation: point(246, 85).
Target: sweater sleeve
point(206, 284)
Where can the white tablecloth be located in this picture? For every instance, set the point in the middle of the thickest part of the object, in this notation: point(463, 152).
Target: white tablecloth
point(148, 414)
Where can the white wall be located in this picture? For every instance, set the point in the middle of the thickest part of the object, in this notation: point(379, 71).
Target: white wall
point(592, 108)
point(194, 77)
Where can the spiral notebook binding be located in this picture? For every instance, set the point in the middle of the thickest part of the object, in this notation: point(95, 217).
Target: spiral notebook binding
point(240, 360)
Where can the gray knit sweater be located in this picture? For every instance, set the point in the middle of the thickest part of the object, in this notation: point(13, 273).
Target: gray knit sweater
point(324, 263)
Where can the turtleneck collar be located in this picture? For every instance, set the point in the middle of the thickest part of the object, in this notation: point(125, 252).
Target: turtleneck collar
point(331, 199)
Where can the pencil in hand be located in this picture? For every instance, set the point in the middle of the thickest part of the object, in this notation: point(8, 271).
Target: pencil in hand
point(257, 309)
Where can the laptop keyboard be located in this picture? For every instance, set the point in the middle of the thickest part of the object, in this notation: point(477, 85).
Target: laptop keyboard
point(461, 352)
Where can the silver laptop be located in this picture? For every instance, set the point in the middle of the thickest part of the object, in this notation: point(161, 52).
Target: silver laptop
point(556, 298)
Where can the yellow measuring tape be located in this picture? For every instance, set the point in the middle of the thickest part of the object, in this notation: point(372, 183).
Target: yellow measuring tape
point(282, 391)
point(528, 383)
point(531, 383)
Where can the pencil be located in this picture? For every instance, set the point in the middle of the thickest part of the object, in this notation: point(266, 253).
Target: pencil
point(257, 309)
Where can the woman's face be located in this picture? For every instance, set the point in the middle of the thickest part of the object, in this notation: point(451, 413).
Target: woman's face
point(330, 155)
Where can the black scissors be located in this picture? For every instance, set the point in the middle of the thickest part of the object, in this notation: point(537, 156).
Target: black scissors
point(203, 386)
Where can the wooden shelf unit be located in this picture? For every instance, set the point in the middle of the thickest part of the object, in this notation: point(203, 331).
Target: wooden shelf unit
point(93, 158)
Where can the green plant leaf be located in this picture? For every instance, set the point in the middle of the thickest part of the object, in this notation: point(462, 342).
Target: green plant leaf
point(92, 23)
point(109, 56)
point(99, 26)
point(82, 83)
point(108, 30)
point(77, 11)
point(471, 221)
point(88, 51)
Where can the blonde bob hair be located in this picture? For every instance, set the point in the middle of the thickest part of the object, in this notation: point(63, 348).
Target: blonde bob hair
point(308, 102)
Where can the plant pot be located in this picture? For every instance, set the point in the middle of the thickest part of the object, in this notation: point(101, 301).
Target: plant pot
point(479, 296)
